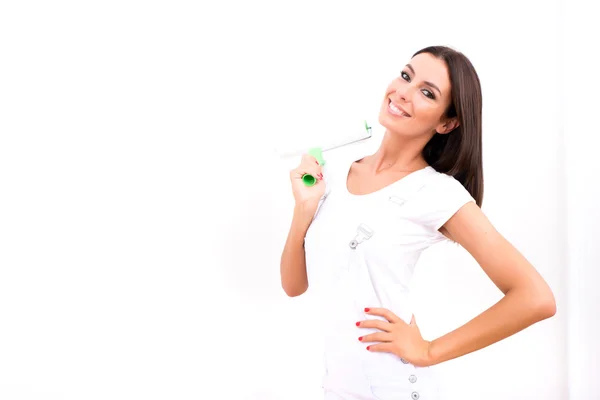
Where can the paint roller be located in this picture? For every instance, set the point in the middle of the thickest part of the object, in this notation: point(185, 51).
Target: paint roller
point(317, 152)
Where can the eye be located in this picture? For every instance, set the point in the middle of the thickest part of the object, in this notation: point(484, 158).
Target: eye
point(428, 93)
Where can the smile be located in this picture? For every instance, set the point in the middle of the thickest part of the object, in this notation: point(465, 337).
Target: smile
point(397, 110)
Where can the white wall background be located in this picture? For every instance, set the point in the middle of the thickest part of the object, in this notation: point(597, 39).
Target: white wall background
point(143, 211)
point(582, 197)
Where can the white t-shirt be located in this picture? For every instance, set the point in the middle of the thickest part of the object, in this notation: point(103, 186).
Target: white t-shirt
point(361, 251)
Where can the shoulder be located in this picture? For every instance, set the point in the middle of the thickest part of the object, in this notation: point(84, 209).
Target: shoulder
point(440, 198)
point(443, 181)
point(441, 187)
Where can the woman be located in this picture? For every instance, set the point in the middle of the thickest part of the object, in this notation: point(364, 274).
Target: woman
point(358, 243)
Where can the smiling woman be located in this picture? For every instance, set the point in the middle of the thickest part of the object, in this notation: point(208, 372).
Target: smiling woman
point(358, 245)
point(438, 92)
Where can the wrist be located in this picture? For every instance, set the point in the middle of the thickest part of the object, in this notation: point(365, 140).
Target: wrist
point(305, 211)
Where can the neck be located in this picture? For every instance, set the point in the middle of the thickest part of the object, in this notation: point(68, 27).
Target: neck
point(399, 153)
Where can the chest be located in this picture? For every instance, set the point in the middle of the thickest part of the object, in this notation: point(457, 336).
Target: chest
point(359, 182)
point(376, 239)
point(382, 227)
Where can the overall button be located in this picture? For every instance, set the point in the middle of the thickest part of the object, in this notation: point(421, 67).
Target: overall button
point(353, 244)
point(412, 378)
point(415, 396)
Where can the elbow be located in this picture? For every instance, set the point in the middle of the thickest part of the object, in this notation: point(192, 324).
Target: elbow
point(545, 305)
point(537, 302)
point(293, 288)
point(294, 292)
point(547, 309)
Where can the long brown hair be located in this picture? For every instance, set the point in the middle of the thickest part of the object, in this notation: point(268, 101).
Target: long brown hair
point(459, 153)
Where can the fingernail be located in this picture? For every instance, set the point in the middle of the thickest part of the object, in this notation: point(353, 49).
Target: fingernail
point(320, 176)
point(367, 309)
point(368, 347)
point(360, 338)
point(358, 324)
point(317, 162)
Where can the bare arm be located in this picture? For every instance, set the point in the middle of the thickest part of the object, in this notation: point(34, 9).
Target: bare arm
point(293, 260)
point(527, 297)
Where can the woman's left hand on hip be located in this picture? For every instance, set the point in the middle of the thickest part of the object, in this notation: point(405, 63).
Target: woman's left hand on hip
point(396, 337)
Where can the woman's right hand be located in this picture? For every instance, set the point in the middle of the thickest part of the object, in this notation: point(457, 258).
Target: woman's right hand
point(307, 197)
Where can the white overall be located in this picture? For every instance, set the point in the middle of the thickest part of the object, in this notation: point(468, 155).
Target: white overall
point(361, 251)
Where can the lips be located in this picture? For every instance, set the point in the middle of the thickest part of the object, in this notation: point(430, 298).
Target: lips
point(397, 110)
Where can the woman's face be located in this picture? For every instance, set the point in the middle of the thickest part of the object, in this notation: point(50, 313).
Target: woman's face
point(416, 101)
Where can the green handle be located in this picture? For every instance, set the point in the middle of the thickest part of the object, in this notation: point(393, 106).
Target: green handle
point(317, 153)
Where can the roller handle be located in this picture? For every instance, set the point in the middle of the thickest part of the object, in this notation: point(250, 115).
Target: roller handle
point(317, 153)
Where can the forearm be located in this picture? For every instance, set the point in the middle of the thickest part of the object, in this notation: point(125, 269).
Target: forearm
point(517, 310)
point(293, 260)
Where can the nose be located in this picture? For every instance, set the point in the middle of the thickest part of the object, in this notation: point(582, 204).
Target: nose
point(404, 92)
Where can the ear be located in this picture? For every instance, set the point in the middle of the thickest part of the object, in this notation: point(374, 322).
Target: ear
point(447, 126)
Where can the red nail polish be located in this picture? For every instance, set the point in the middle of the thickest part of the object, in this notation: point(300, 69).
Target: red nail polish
point(360, 338)
point(368, 347)
point(317, 162)
point(358, 324)
point(367, 309)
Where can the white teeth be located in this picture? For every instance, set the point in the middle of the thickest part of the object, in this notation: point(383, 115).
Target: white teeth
point(396, 110)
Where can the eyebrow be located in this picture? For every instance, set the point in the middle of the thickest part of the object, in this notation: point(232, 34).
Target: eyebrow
point(426, 82)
